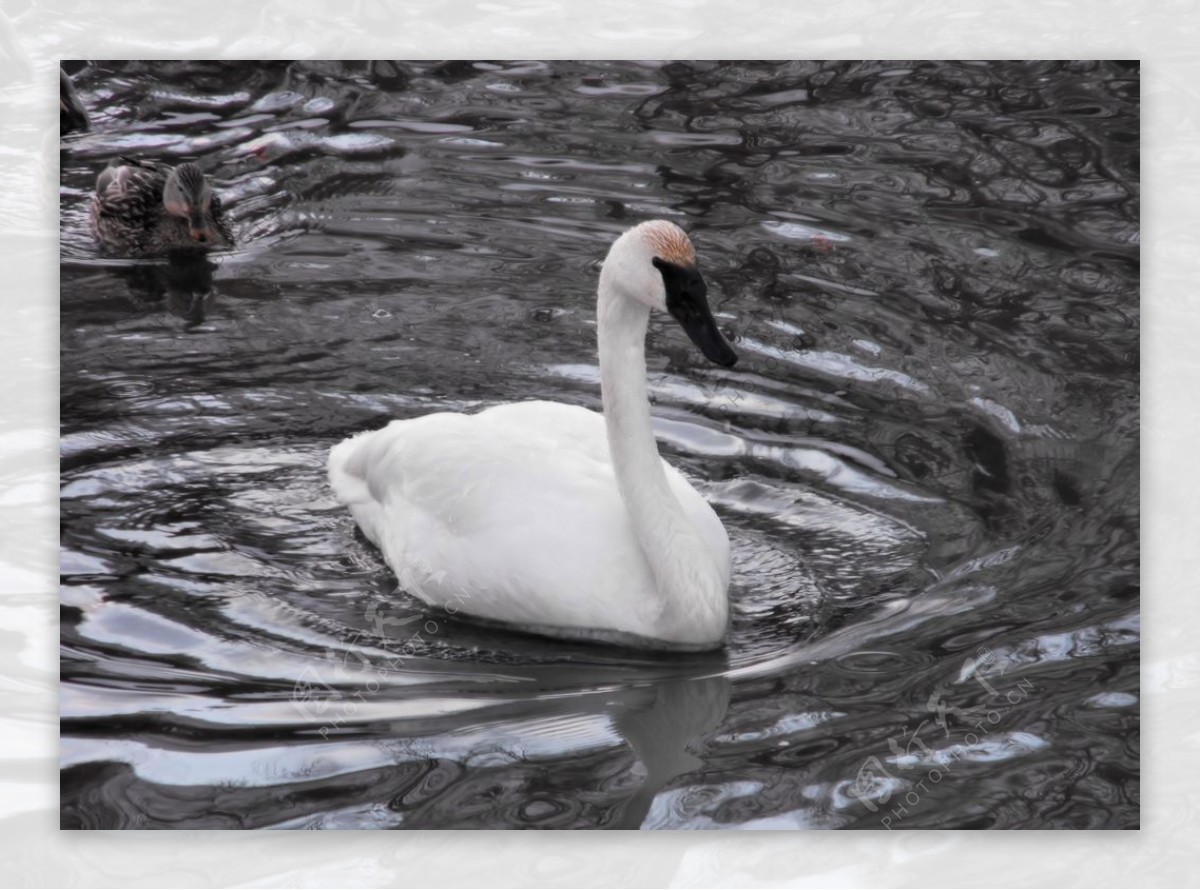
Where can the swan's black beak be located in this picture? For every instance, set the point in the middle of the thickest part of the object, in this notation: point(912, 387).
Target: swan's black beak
point(687, 302)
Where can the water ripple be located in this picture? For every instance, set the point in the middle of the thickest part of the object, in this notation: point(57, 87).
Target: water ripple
point(926, 458)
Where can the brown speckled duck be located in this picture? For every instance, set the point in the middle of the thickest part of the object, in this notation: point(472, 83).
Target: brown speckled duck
point(143, 209)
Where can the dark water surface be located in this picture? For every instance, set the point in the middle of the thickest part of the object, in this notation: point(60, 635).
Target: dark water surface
point(927, 458)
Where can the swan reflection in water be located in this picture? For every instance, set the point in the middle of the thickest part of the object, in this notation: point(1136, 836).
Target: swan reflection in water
point(615, 752)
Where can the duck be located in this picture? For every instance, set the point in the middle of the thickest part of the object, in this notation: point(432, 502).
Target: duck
point(144, 209)
point(554, 519)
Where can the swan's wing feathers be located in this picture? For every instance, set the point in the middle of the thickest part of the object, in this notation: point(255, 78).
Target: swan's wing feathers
point(470, 472)
point(554, 425)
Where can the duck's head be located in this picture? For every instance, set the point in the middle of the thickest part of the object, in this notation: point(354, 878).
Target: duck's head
point(188, 196)
point(655, 264)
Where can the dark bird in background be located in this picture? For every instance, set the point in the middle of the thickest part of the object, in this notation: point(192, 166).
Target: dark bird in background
point(72, 117)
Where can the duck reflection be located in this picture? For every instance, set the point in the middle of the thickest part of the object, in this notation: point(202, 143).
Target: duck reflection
point(184, 284)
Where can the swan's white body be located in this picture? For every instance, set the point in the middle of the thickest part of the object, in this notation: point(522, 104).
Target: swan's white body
point(547, 516)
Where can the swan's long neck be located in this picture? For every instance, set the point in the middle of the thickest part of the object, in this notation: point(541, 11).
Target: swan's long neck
point(689, 583)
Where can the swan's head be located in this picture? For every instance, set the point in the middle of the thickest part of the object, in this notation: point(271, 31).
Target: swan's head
point(186, 194)
point(655, 264)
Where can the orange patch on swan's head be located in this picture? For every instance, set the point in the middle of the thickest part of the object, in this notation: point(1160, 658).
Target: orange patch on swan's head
point(669, 242)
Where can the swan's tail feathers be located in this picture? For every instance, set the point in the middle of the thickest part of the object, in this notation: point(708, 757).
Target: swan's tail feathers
point(353, 464)
point(347, 472)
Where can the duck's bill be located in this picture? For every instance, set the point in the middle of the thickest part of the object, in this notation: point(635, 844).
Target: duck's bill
point(200, 231)
point(687, 302)
point(206, 235)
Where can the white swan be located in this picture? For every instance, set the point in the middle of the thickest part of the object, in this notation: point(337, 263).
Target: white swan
point(551, 517)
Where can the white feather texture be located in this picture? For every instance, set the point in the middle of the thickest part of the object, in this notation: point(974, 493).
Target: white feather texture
point(551, 517)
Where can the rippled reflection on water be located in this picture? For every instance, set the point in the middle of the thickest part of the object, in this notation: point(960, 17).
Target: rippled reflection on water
point(927, 457)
